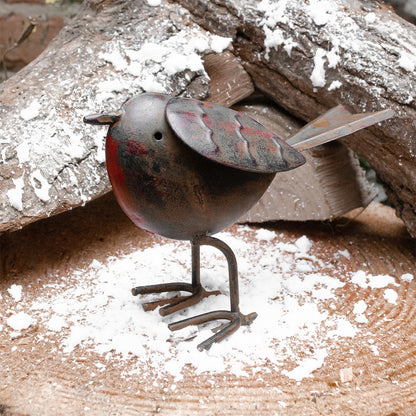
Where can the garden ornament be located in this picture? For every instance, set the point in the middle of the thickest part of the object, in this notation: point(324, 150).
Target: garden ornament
point(186, 169)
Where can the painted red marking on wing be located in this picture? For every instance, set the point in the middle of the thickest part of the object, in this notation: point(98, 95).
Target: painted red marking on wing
point(262, 133)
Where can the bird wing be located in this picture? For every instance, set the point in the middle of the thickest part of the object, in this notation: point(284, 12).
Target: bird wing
point(335, 123)
point(229, 137)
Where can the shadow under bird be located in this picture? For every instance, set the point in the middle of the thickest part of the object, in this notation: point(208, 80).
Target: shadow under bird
point(186, 169)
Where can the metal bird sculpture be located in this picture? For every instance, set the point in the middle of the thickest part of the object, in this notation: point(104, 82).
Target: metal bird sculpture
point(186, 169)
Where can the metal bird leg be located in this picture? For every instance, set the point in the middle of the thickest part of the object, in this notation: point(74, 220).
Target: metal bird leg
point(178, 302)
point(235, 317)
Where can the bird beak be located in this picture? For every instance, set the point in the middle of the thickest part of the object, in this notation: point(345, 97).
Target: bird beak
point(102, 119)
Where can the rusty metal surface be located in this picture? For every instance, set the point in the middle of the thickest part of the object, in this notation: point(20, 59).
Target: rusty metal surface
point(332, 125)
point(163, 185)
point(229, 137)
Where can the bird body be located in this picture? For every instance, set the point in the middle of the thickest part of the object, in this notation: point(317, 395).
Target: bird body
point(169, 188)
point(187, 169)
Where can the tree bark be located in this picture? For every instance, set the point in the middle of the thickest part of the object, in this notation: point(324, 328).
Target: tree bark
point(310, 56)
point(52, 162)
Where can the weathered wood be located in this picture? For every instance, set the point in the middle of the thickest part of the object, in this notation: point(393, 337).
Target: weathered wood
point(229, 82)
point(311, 56)
point(52, 162)
point(38, 378)
point(330, 184)
point(49, 160)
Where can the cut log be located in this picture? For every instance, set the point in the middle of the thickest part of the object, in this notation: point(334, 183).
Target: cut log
point(229, 82)
point(75, 274)
point(310, 56)
point(52, 162)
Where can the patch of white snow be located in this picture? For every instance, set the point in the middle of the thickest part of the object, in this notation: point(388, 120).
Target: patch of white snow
point(15, 195)
point(154, 3)
point(407, 277)
point(364, 280)
point(359, 308)
point(23, 152)
point(265, 235)
point(344, 329)
point(407, 61)
point(220, 43)
point(19, 321)
point(40, 185)
point(31, 112)
point(15, 291)
point(318, 73)
point(370, 18)
point(345, 253)
point(391, 296)
point(320, 11)
point(303, 244)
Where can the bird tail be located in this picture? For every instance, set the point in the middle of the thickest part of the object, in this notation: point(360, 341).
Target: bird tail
point(335, 123)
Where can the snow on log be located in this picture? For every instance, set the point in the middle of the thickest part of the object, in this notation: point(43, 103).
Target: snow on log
point(50, 161)
point(311, 55)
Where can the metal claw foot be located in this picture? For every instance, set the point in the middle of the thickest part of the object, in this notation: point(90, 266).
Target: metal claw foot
point(174, 304)
point(236, 320)
point(177, 302)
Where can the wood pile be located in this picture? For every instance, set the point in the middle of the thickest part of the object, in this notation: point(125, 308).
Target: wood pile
point(303, 63)
point(65, 349)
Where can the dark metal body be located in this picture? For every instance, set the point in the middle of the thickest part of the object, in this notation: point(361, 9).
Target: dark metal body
point(166, 187)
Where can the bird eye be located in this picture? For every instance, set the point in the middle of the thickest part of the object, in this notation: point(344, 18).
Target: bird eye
point(158, 135)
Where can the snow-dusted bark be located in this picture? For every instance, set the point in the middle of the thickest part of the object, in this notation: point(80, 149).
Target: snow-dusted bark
point(311, 55)
point(306, 56)
point(50, 160)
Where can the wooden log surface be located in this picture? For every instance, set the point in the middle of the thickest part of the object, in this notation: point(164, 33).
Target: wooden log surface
point(370, 372)
point(309, 57)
